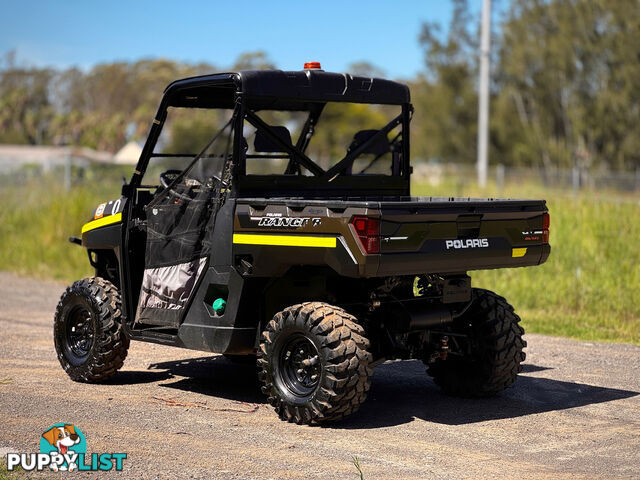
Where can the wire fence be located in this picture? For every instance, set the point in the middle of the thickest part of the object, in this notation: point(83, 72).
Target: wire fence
point(77, 172)
point(576, 179)
point(68, 173)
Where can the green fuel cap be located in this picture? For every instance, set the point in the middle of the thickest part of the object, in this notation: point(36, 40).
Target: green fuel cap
point(219, 305)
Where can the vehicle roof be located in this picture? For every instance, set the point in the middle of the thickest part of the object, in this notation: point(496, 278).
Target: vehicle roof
point(288, 90)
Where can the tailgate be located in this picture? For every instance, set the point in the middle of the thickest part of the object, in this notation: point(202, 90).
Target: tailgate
point(448, 235)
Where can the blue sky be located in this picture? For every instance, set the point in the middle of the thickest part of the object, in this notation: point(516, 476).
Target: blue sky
point(82, 33)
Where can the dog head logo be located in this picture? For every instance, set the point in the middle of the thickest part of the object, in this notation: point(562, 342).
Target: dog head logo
point(62, 437)
point(63, 441)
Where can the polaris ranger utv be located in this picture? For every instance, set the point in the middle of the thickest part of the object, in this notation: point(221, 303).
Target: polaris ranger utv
point(318, 266)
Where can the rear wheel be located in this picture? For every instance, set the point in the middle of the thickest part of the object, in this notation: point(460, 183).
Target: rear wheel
point(314, 363)
point(87, 330)
point(494, 349)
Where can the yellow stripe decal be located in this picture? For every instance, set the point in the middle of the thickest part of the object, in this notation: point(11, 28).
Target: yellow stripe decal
point(284, 240)
point(518, 252)
point(101, 222)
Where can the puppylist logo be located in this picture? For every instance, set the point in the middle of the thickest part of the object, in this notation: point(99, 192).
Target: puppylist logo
point(63, 447)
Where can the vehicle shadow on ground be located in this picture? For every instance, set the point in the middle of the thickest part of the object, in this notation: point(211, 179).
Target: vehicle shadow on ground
point(216, 376)
point(136, 377)
point(400, 392)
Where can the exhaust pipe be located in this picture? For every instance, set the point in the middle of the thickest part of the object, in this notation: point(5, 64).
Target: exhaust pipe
point(425, 316)
point(415, 316)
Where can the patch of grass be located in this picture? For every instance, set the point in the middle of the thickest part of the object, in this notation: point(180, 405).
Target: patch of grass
point(36, 221)
point(5, 474)
point(356, 463)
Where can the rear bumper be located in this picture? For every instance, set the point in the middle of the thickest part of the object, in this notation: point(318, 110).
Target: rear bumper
point(459, 261)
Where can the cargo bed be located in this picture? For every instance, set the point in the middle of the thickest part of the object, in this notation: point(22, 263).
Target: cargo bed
point(419, 234)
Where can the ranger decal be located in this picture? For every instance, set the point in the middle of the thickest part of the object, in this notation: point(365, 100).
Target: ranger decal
point(286, 222)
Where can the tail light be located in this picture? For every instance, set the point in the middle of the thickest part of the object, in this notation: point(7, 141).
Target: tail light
point(546, 221)
point(368, 231)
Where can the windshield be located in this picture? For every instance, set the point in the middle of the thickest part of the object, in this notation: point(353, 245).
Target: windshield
point(185, 133)
point(328, 140)
point(323, 149)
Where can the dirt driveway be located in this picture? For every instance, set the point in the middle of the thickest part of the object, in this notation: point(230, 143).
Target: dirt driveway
point(574, 413)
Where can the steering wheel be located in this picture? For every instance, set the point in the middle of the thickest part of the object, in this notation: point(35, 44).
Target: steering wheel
point(167, 178)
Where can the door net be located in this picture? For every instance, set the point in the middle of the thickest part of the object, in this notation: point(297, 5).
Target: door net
point(180, 222)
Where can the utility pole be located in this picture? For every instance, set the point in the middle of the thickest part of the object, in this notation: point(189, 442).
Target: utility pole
point(483, 95)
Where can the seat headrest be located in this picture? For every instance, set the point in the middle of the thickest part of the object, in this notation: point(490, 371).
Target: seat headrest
point(378, 147)
point(263, 143)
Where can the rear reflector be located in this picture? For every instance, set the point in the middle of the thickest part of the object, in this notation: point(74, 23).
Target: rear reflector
point(546, 222)
point(368, 231)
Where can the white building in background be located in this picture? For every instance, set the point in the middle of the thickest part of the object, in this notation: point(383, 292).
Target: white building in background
point(129, 154)
point(13, 157)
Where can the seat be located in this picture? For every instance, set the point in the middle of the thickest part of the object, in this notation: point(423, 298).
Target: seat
point(379, 147)
point(262, 143)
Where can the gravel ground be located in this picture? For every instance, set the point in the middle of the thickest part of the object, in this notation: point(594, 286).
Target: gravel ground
point(574, 412)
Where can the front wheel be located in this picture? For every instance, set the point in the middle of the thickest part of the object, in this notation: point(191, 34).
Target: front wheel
point(314, 363)
point(494, 347)
point(87, 331)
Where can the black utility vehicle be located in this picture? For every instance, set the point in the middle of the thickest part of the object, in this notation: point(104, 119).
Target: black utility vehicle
point(314, 259)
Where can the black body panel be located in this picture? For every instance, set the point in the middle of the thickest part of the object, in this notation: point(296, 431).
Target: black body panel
point(287, 90)
point(104, 238)
point(414, 234)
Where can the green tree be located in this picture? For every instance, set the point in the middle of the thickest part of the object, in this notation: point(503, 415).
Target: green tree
point(95, 109)
point(569, 84)
point(444, 126)
point(257, 60)
point(339, 123)
point(26, 111)
point(366, 69)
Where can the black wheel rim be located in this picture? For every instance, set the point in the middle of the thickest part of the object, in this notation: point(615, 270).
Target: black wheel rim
point(79, 333)
point(300, 365)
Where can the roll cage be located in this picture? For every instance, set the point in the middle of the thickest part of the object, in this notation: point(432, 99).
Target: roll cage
point(249, 92)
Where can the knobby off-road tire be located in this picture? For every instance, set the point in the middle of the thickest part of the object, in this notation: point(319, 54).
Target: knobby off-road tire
point(333, 337)
point(87, 331)
point(496, 345)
